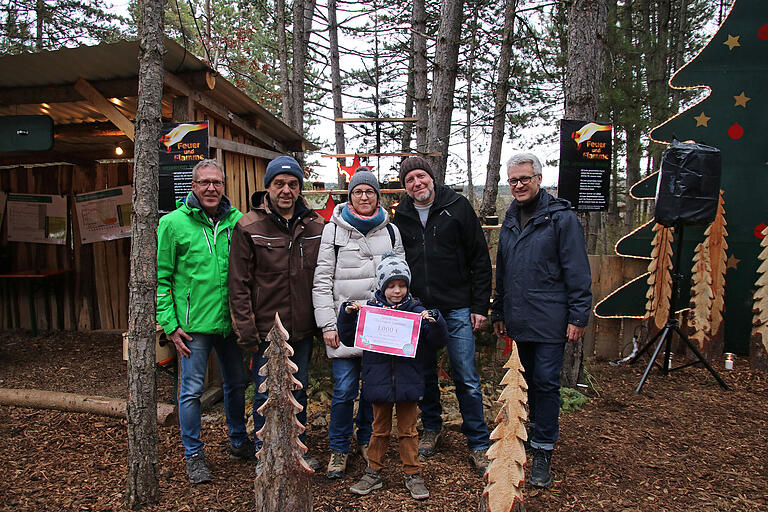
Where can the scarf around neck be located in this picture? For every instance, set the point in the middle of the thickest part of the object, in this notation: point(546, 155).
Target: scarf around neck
point(360, 222)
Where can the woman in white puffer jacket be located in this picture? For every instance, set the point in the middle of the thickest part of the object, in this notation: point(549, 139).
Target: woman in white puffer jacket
point(353, 242)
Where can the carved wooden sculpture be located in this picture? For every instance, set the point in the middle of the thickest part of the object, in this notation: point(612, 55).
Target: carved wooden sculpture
point(660, 281)
point(506, 473)
point(701, 298)
point(718, 261)
point(758, 349)
point(284, 482)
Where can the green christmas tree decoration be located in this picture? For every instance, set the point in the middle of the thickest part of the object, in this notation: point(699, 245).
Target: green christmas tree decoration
point(733, 118)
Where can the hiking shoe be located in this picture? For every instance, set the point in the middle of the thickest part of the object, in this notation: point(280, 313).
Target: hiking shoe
point(415, 484)
point(337, 464)
point(244, 452)
point(540, 468)
point(369, 483)
point(429, 442)
point(312, 462)
point(364, 452)
point(479, 461)
point(528, 447)
point(197, 471)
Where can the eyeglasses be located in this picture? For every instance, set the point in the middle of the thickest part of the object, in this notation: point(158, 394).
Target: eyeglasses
point(217, 184)
point(523, 181)
point(357, 193)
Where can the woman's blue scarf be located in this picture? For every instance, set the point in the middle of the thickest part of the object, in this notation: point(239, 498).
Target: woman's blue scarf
point(362, 224)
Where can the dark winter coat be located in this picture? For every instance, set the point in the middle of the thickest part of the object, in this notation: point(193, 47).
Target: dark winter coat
point(271, 267)
point(389, 378)
point(449, 257)
point(543, 282)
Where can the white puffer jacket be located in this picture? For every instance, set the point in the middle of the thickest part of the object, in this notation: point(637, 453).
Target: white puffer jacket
point(351, 275)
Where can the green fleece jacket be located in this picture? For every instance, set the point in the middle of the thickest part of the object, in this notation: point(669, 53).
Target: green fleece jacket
point(192, 268)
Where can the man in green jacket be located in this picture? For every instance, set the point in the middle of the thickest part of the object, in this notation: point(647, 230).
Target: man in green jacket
point(193, 309)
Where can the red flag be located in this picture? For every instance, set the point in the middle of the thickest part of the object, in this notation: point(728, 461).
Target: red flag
point(508, 346)
point(328, 210)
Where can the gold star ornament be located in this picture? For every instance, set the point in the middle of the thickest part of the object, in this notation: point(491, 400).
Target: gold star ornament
point(733, 262)
point(732, 42)
point(702, 119)
point(741, 100)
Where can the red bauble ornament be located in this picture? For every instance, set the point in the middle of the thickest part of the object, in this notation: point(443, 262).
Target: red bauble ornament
point(762, 32)
point(759, 230)
point(735, 131)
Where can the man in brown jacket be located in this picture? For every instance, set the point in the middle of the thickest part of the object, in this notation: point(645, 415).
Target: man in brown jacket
point(272, 262)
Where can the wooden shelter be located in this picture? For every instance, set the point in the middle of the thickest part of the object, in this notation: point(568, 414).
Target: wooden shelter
point(91, 95)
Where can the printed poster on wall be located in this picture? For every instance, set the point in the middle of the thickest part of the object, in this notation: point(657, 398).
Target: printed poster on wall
point(182, 145)
point(104, 215)
point(585, 164)
point(37, 218)
point(3, 197)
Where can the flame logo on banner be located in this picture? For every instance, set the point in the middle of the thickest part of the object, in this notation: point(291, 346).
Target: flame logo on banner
point(586, 132)
point(178, 134)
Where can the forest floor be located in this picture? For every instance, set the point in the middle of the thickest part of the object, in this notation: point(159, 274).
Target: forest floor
point(682, 445)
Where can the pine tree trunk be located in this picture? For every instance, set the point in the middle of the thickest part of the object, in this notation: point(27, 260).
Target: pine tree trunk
point(587, 26)
point(468, 107)
point(298, 64)
point(410, 90)
point(444, 83)
point(420, 82)
point(142, 486)
point(282, 52)
point(490, 193)
point(338, 107)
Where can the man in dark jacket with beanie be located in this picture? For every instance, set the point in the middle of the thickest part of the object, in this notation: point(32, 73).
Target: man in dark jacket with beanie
point(543, 297)
point(448, 255)
point(272, 264)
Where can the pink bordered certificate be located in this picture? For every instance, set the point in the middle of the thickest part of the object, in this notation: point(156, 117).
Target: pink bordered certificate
point(388, 331)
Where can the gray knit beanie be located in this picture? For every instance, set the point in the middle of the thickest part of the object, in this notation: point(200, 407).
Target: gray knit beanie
point(363, 176)
point(392, 267)
point(412, 163)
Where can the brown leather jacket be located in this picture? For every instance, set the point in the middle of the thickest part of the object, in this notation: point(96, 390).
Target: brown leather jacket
point(271, 267)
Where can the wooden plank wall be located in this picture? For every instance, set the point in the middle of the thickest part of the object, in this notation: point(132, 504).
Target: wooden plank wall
point(95, 296)
point(606, 338)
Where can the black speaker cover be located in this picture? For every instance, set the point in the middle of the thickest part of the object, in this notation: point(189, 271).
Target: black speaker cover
point(688, 188)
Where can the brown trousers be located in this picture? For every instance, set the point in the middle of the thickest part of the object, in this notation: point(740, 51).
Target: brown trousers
point(407, 435)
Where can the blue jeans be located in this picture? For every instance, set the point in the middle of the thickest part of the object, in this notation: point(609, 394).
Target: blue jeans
point(346, 382)
point(543, 363)
point(192, 377)
point(302, 353)
point(461, 353)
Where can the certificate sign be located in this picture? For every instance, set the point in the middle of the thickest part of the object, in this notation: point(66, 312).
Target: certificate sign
point(37, 218)
point(104, 215)
point(388, 331)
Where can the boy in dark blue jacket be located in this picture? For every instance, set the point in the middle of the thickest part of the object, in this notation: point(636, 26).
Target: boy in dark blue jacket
point(393, 380)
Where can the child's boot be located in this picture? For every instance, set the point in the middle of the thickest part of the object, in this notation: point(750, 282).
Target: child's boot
point(370, 482)
point(415, 484)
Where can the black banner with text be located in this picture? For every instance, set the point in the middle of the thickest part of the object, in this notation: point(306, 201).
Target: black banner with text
point(585, 164)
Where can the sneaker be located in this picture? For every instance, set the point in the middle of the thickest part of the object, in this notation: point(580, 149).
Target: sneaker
point(479, 461)
point(369, 483)
point(337, 464)
point(312, 462)
point(415, 484)
point(197, 471)
point(244, 452)
point(540, 468)
point(364, 452)
point(429, 442)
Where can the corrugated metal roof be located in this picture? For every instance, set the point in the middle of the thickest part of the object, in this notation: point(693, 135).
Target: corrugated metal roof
point(109, 61)
point(101, 62)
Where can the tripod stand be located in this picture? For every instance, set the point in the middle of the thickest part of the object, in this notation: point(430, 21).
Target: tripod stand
point(664, 336)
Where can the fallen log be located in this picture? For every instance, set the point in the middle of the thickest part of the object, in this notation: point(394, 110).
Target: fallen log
point(71, 402)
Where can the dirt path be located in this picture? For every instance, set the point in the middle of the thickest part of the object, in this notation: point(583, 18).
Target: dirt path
point(682, 445)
